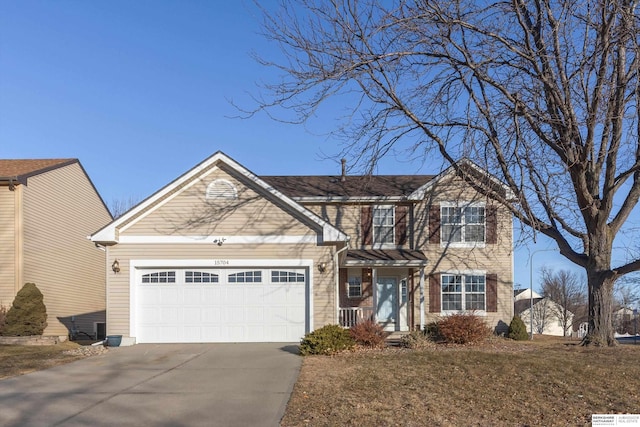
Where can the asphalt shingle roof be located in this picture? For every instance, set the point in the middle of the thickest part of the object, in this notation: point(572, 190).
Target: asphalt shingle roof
point(352, 186)
point(23, 168)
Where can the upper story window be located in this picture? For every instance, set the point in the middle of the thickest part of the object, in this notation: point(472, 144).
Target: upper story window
point(463, 292)
point(383, 225)
point(462, 224)
point(221, 189)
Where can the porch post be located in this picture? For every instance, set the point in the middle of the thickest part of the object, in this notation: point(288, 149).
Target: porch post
point(421, 298)
point(374, 291)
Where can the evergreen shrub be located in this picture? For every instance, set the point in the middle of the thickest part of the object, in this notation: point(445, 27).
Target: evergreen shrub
point(329, 339)
point(28, 314)
point(518, 330)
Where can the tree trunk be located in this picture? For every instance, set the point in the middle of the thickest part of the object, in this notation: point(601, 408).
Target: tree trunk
point(601, 331)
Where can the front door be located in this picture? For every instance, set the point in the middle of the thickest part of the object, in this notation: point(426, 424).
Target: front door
point(386, 305)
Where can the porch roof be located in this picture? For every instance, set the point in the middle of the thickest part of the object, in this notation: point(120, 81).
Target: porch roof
point(385, 258)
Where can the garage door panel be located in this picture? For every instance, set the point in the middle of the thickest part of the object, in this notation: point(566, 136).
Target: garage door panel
point(220, 311)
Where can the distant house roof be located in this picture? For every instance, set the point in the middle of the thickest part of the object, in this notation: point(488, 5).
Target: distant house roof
point(18, 170)
point(517, 292)
point(524, 304)
point(353, 186)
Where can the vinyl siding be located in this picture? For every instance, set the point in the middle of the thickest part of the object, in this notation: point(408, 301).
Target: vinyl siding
point(492, 258)
point(118, 300)
point(8, 242)
point(346, 217)
point(188, 212)
point(61, 208)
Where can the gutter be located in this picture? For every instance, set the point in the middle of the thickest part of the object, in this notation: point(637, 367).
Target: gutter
point(12, 180)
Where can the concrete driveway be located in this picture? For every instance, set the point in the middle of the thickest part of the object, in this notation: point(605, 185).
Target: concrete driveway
point(158, 385)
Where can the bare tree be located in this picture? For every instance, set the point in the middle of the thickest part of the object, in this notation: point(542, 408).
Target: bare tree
point(626, 299)
point(544, 94)
point(568, 293)
point(120, 206)
point(542, 315)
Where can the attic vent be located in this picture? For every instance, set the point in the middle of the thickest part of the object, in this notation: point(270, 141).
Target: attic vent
point(221, 189)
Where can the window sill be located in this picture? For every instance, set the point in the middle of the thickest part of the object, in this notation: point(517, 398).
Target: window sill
point(463, 245)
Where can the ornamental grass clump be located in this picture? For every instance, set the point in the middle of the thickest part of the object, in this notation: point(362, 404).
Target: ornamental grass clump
point(463, 329)
point(369, 334)
point(28, 314)
point(417, 340)
point(518, 330)
point(328, 340)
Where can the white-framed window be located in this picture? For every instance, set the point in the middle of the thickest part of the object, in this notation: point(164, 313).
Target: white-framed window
point(200, 277)
point(354, 286)
point(280, 276)
point(403, 291)
point(159, 277)
point(463, 292)
point(383, 225)
point(221, 189)
point(462, 224)
point(254, 276)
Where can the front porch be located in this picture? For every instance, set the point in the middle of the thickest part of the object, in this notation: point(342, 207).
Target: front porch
point(383, 286)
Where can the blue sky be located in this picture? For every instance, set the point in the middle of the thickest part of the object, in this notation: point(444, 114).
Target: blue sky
point(139, 92)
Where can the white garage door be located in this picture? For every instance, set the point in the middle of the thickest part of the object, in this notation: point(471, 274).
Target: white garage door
point(220, 305)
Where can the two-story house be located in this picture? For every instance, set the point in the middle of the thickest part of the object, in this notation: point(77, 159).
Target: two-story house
point(223, 255)
point(48, 207)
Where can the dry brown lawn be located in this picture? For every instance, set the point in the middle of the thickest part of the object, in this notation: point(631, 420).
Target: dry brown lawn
point(547, 382)
point(18, 359)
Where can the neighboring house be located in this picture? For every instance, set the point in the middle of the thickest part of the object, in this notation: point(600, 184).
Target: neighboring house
point(546, 314)
point(223, 255)
point(48, 207)
point(624, 321)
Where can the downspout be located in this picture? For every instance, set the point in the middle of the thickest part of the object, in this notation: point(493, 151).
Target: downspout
point(336, 273)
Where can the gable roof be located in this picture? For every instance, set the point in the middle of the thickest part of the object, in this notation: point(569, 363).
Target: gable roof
point(19, 170)
point(363, 188)
point(108, 234)
point(486, 183)
point(337, 188)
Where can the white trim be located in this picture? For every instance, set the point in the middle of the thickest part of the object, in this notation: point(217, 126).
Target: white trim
point(110, 233)
point(345, 199)
point(220, 263)
point(462, 293)
point(136, 264)
point(463, 205)
point(218, 240)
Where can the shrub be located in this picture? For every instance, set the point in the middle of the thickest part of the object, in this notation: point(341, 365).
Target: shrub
point(463, 329)
point(369, 334)
point(518, 330)
point(28, 314)
point(329, 339)
point(431, 331)
point(416, 340)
